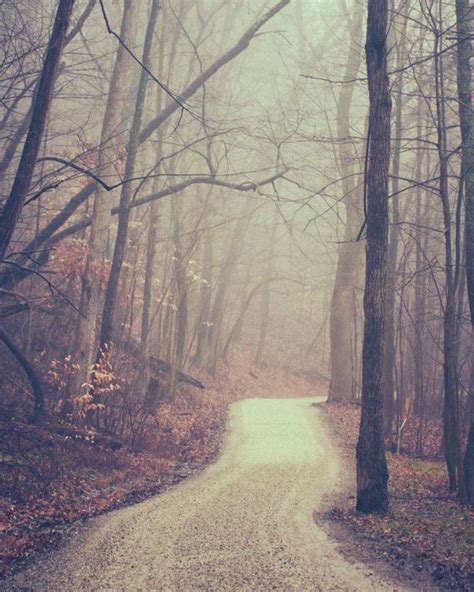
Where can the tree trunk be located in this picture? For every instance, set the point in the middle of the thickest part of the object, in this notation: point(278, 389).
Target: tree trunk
point(390, 348)
point(419, 306)
point(372, 472)
point(107, 326)
point(468, 466)
point(43, 96)
point(150, 271)
point(35, 381)
point(451, 430)
point(350, 252)
point(180, 266)
point(464, 14)
point(223, 284)
point(204, 301)
point(93, 276)
point(265, 305)
point(420, 282)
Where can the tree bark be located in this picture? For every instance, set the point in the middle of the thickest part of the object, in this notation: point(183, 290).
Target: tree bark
point(465, 19)
point(372, 472)
point(42, 101)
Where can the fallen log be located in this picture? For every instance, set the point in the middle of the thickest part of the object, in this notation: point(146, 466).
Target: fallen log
point(159, 367)
point(106, 440)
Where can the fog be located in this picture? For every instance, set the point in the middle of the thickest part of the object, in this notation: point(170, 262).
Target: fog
point(189, 192)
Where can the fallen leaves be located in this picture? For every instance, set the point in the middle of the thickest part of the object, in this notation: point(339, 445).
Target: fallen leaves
point(426, 527)
point(90, 479)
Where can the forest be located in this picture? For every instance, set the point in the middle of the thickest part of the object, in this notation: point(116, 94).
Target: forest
point(236, 295)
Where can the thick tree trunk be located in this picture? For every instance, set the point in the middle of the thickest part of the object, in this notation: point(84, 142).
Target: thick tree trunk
point(465, 20)
point(42, 100)
point(468, 466)
point(372, 472)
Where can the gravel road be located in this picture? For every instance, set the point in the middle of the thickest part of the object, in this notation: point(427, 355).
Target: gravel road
point(245, 523)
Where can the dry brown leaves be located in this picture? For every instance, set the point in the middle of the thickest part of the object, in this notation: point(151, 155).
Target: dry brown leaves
point(186, 435)
point(426, 527)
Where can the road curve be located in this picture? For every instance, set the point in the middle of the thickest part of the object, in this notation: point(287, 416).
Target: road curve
point(245, 523)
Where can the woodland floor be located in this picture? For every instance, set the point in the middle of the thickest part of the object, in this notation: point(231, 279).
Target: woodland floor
point(42, 501)
point(426, 530)
point(245, 523)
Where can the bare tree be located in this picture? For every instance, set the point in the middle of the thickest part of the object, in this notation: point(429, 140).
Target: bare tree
point(464, 52)
point(93, 276)
point(39, 112)
point(349, 268)
point(372, 472)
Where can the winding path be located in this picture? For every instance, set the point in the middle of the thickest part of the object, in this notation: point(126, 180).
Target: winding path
point(245, 523)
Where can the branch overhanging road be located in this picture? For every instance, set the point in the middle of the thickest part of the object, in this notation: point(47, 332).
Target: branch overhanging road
point(245, 523)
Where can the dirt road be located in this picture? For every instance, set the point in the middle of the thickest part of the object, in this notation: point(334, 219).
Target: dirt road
point(243, 524)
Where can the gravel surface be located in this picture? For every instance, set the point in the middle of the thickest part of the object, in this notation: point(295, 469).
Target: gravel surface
point(245, 523)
